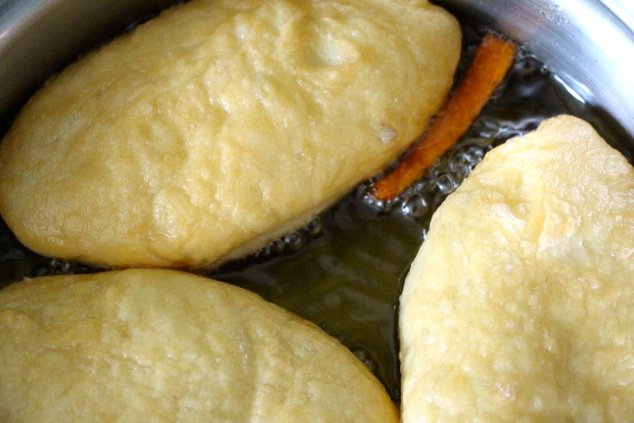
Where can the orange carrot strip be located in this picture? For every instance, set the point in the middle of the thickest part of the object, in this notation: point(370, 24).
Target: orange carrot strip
point(488, 68)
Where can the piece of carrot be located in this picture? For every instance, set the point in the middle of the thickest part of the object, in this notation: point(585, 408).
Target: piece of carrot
point(488, 68)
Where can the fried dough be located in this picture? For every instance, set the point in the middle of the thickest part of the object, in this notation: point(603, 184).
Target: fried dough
point(162, 346)
point(219, 126)
point(520, 303)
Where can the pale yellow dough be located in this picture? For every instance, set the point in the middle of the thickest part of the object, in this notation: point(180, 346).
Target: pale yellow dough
point(164, 346)
point(520, 305)
point(221, 125)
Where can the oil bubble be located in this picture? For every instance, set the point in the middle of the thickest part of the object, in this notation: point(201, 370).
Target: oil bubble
point(294, 241)
point(423, 185)
point(363, 355)
point(446, 184)
point(460, 166)
point(291, 242)
point(41, 270)
point(529, 125)
point(68, 267)
point(485, 128)
point(263, 252)
point(379, 206)
point(61, 267)
point(474, 154)
point(527, 66)
point(415, 206)
point(315, 227)
point(277, 246)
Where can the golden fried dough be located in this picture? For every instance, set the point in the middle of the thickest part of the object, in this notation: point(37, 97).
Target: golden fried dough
point(161, 346)
point(221, 125)
point(520, 304)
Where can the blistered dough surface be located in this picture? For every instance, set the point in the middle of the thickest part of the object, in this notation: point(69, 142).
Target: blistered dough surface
point(220, 125)
point(520, 304)
point(164, 346)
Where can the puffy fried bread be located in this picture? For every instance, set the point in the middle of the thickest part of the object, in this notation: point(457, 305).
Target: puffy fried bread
point(219, 126)
point(520, 303)
point(162, 346)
